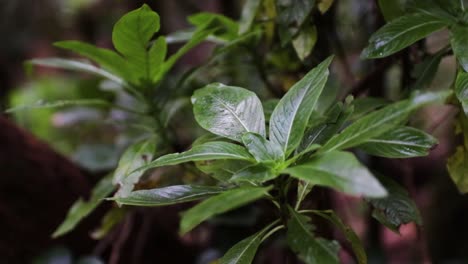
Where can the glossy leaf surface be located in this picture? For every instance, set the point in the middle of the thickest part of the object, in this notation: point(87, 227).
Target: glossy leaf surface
point(228, 111)
point(350, 176)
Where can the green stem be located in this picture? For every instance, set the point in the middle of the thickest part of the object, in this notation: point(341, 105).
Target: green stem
point(271, 232)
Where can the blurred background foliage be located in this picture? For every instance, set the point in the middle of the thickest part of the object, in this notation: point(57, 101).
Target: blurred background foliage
point(95, 137)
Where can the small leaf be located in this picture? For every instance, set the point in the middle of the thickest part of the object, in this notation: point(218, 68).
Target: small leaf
point(349, 177)
point(156, 56)
point(263, 150)
point(168, 195)
point(254, 174)
point(208, 151)
point(81, 208)
point(107, 59)
point(60, 103)
point(400, 33)
point(349, 233)
point(403, 142)
point(249, 11)
point(228, 111)
point(305, 41)
point(457, 166)
point(395, 209)
point(303, 189)
point(290, 117)
point(77, 66)
point(136, 156)
point(381, 121)
point(244, 251)
point(291, 16)
point(221, 203)
point(461, 90)
point(458, 41)
point(110, 220)
point(311, 250)
point(131, 35)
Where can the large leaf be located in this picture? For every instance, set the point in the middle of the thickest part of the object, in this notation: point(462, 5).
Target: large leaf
point(254, 174)
point(168, 195)
point(349, 233)
point(77, 66)
point(107, 59)
point(131, 35)
point(81, 208)
point(395, 209)
point(244, 251)
point(400, 33)
point(289, 119)
point(136, 156)
point(461, 90)
point(341, 171)
point(403, 142)
point(228, 111)
point(458, 40)
point(381, 121)
point(221, 203)
point(262, 149)
point(311, 249)
point(208, 151)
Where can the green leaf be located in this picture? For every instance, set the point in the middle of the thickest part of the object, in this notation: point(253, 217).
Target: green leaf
point(311, 249)
point(168, 195)
point(156, 56)
point(461, 90)
point(77, 66)
point(457, 166)
point(395, 209)
point(60, 103)
point(349, 233)
point(244, 251)
point(131, 35)
point(262, 149)
point(222, 170)
point(381, 121)
point(305, 41)
point(425, 71)
point(289, 119)
point(400, 33)
point(349, 177)
point(110, 220)
point(324, 5)
point(228, 111)
point(81, 208)
point(208, 151)
point(322, 132)
point(303, 189)
point(107, 59)
point(226, 28)
point(254, 174)
point(391, 9)
point(249, 11)
point(136, 156)
point(221, 203)
point(458, 42)
point(364, 105)
point(291, 16)
point(268, 107)
point(402, 142)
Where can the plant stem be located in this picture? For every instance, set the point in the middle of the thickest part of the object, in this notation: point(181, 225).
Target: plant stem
point(274, 230)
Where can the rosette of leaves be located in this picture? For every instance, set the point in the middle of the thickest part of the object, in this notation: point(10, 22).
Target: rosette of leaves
point(252, 161)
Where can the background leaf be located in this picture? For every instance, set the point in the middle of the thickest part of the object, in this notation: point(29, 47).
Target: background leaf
point(228, 111)
point(461, 90)
point(249, 11)
point(221, 203)
point(400, 33)
point(305, 41)
point(350, 176)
